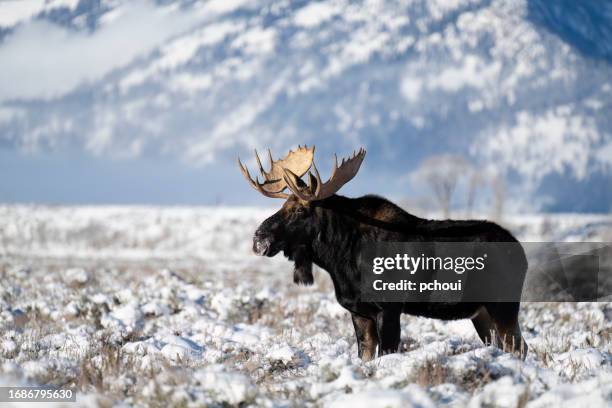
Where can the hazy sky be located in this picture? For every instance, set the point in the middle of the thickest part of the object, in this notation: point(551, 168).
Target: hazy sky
point(78, 178)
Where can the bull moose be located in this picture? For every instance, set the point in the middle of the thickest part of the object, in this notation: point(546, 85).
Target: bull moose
point(315, 225)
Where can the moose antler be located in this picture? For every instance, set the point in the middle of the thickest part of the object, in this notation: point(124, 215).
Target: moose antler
point(318, 190)
point(298, 162)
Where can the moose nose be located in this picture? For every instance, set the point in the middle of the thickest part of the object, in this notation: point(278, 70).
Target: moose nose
point(261, 245)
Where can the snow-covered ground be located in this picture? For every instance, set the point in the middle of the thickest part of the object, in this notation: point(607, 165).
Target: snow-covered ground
point(169, 307)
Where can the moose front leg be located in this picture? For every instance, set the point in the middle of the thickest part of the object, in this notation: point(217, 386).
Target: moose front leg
point(367, 338)
point(388, 328)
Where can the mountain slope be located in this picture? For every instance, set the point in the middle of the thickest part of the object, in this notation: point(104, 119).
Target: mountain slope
point(522, 88)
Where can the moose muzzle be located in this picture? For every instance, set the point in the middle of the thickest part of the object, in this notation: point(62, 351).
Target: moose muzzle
point(262, 245)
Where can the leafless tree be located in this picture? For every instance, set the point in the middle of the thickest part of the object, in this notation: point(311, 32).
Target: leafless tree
point(442, 173)
point(477, 179)
point(499, 196)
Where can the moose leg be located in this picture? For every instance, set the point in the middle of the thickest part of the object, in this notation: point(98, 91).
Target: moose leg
point(485, 327)
point(367, 338)
point(388, 328)
point(505, 317)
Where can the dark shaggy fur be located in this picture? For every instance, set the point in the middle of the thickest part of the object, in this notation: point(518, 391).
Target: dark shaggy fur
point(331, 233)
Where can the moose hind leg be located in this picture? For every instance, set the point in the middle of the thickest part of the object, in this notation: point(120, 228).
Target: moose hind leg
point(505, 317)
point(485, 327)
point(367, 338)
point(512, 339)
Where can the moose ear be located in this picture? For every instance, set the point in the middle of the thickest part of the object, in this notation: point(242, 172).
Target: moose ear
point(312, 182)
point(294, 178)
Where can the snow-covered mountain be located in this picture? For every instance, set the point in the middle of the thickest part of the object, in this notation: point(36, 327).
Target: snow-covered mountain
point(523, 88)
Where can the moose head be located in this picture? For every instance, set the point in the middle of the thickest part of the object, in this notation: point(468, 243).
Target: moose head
point(298, 224)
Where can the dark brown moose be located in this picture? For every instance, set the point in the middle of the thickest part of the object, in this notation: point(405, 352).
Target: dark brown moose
point(315, 225)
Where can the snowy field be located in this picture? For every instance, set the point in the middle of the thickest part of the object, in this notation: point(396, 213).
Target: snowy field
point(169, 307)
